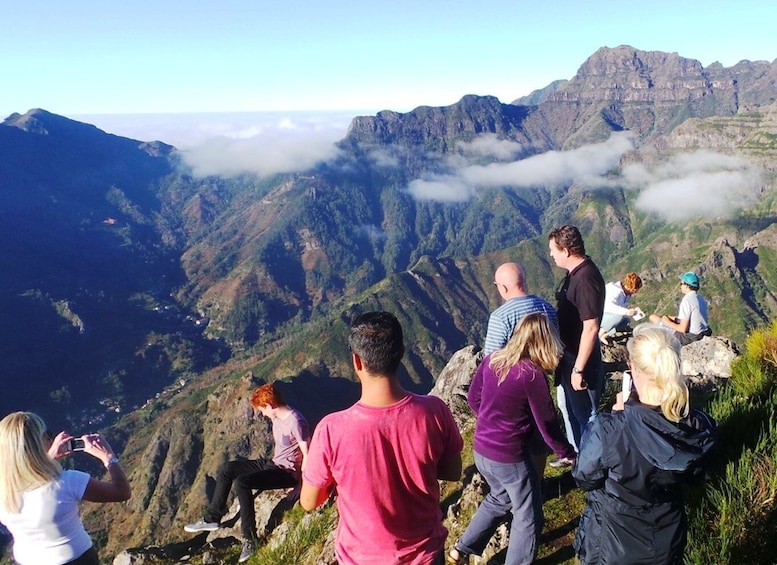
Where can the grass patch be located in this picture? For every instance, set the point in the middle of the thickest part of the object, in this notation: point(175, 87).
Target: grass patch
point(733, 520)
point(304, 541)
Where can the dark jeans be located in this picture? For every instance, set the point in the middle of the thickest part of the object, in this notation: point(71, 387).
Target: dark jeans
point(248, 475)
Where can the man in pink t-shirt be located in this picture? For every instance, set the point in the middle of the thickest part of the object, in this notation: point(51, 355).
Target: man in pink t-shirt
point(384, 455)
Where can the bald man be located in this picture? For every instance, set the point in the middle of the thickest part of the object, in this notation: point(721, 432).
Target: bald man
point(510, 281)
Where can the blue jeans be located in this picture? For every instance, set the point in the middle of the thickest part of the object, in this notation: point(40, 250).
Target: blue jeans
point(582, 405)
point(610, 322)
point(515, 489)
point(561, 400)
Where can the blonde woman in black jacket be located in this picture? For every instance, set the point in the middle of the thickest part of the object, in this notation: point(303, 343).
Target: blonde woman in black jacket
point(635, 461)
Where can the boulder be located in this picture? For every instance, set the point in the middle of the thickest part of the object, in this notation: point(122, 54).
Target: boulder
point(710, 357)
point(454, 379)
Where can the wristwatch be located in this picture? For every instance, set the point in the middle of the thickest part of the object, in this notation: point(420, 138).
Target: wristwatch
point(576, 370)
point(113, 461)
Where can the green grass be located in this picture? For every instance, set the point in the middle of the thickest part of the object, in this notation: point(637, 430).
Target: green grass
point(733, 520)
point(304, 541)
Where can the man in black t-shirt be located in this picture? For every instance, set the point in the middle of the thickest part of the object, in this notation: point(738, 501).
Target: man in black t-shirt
point(580, 308)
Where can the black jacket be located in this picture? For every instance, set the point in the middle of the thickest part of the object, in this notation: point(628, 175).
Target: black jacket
point(634, 464)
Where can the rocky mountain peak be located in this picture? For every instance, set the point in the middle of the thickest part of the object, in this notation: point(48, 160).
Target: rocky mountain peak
point(627, 59)
point(439, 128)
point(626, 74)
point(66, 131)
point(38, 121)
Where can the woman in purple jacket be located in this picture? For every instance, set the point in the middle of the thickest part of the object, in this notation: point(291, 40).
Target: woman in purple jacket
point(511, 398)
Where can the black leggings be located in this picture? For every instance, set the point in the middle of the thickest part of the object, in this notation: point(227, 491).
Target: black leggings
point(247, 475)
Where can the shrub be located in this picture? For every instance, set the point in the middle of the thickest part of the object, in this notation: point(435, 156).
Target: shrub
point(733, 521)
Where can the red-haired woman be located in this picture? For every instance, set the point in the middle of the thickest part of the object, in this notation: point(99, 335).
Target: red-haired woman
point(291, 433)
point(616, 304)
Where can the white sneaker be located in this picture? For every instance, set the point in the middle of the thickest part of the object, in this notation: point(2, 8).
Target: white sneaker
point(560, 462)
point(247, 552)
point(201, 526)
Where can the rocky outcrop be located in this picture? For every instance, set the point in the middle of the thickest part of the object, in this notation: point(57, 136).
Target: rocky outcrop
point(269, 507)
point(439, 128)
point(704, 362)
point(709, 358)
point(453, 381)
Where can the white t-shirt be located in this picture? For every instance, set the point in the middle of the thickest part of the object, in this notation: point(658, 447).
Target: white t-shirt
point(694, 308)
point(615, 299)
point(48, 530)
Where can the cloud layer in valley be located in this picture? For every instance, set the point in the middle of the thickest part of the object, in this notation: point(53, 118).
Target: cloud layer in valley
point(230, 144)
point(690, 185)
point(697, 184)
point(585, 165)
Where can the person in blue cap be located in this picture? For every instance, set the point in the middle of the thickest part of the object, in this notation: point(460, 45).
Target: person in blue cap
point(691, 323)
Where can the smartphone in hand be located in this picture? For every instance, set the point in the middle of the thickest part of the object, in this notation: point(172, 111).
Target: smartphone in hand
point(76, 444)
point(626, 385)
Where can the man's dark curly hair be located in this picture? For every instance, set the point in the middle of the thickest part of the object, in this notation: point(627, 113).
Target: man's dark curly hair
point(376, 337)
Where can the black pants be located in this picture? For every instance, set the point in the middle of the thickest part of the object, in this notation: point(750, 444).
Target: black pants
point(248, 475)
point(88, 557)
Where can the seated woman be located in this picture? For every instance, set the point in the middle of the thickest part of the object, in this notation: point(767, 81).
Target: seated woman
point(616, 300)
point(511, 398)
point(39, 501)
point(635, 461)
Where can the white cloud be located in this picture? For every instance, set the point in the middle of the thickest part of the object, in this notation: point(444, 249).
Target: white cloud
point(584, 165)
point(372, 232)
point(693, 185)
point(489, 145)
point(264, 153)
point(446, 188)
point(689, 185)
point(384, 158)
point(228, 144)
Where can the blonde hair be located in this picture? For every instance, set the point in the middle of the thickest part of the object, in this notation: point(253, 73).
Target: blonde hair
point(24, 462)
point(655, 352)
point(533, 339)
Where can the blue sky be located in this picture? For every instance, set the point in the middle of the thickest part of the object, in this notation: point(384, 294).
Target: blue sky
point(84, 57)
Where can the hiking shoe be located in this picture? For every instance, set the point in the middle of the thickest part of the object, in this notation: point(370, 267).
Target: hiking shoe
point(560, 462)
point(201, 526)
point(248, 551)
point(456, 557)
